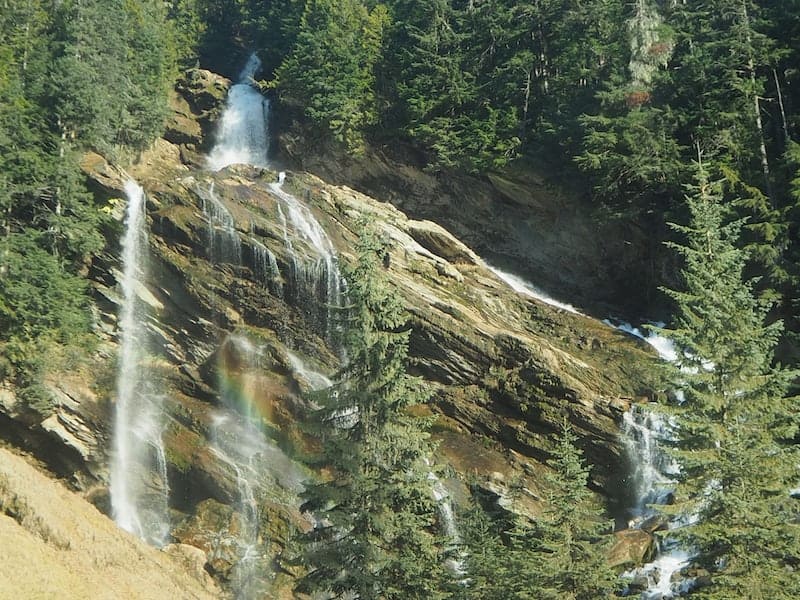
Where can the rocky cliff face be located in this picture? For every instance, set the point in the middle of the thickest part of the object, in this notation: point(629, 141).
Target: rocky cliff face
point(506, 369)
point(542, 223)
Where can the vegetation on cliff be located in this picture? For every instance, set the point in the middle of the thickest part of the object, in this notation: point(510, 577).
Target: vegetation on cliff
point(73, 75)
point(375, 535)
point(561, 554)
point(626, 94)
point(622, 93)
point(734, 423)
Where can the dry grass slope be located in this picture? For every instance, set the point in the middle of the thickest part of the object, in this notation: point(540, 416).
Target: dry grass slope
point(57, 545)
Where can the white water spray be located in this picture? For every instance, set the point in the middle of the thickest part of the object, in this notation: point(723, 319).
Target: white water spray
point(239, 444)
point(521, 286)
point(265, 268)
point(242, 137)
point(139, 488)
point(223, 243)
point(316, 380)
point(320, 280)
point(653, 475)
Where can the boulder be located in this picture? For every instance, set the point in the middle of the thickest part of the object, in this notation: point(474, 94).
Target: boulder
point(203, 90)
point(441, 242)
point(631, 547)
point(104, 178)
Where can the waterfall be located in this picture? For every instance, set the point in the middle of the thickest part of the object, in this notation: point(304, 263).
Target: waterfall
point(237, 439)
point(447, 515)
point(223, 243)
point(265, 268)
point(139, 487)
point(653, 482)
point(317, 285)
point(242, 136)
point(652, 479)
point(240, 445)
point(316, 380)
point(521, 286)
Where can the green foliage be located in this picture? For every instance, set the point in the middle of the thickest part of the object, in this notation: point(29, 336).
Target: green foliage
point(105, 93)
point(330, 71)
point(73, 75)
point(561, 555)
point(736, 424)
point(376, 535)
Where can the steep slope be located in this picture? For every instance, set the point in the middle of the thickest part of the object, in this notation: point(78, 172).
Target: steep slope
point(55, 544)
point(239, 322)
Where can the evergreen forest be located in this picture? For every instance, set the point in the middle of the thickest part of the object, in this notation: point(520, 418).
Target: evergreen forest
point(680, 116)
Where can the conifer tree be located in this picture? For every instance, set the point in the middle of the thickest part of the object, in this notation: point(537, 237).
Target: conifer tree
point(561, 555)
point(376, 534)
point(736, 421)
point(570, 540)
point(330, 70)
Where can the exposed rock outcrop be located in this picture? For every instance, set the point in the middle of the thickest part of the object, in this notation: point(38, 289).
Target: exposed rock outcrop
point(505, 369)
point(540, 222)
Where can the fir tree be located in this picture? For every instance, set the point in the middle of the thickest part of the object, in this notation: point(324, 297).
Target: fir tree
point(330, 70)
point(376, 535)
point(559, 556)
point(570, 541)
point(736, 421)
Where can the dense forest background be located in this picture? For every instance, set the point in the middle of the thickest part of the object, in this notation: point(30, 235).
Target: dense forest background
point(622, 96)
point(670, 112)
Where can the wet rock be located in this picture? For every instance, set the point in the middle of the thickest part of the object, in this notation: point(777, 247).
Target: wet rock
point(655, 523)
point(205, 91)
point(631, 547)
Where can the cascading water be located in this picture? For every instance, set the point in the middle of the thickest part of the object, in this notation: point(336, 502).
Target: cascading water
point(139, 487)
point(265, 267)
point(238, 441)
point(235, 432)
point(652, 483)
point(242, 137)
point(521, 286)
point(315, 284)
point(223, 243)
point(316, 380)
point(240, 445)
point(447, 515)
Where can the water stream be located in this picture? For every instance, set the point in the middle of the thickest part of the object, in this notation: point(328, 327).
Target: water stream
point(138, 471)
point(316, 284)
point(242, 136)
point(652, 481)
point(526, 288)
point(222, 241)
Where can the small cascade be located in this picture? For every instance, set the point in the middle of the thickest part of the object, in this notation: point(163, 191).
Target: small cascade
point(240, 445)
point(652, 482)
point(237, 440)
point(447, 515)
point(316, 380)
point(139, 487)
point(521, 286)
point(653, 470)
point(223, 243)
point(265, 267)
point(243, 137)
point(316, 284)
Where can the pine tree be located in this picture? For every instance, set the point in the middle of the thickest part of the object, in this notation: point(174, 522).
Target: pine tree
point(736, 423)
point(376, 535)
point(559, 556)
point(570, 541)
point(330, 71)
